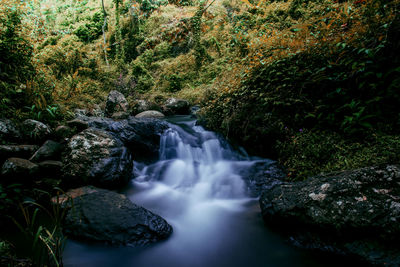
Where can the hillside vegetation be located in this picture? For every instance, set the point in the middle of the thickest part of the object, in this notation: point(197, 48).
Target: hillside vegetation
point(314, 84)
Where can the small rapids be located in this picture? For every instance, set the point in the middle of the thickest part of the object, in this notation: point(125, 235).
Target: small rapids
point(197, 186)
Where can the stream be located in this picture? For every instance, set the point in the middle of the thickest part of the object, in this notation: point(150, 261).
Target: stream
point(197, 187)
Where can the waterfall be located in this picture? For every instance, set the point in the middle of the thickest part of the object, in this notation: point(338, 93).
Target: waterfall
point(199, 186)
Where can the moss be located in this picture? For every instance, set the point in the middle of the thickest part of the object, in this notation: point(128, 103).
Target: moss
point(308, 153)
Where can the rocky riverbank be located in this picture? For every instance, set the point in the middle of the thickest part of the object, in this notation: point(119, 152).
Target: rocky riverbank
point(353, 213)
point(97, 149)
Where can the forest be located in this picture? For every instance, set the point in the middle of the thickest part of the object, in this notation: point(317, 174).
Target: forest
point(311, 84)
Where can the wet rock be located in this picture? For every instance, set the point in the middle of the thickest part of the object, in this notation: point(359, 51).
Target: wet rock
point(150, 114)
point(141, 136)
point(19, 169)
point(49, 150)
point(105, 216)
point(98, 158)
point(359, 206)
point(35, 130)
point(120, 115)
point(9, 131)
point(16, 151)
point(262, 175)
point(116, 102)
point(174, 106)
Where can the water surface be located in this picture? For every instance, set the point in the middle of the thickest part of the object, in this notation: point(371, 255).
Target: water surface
point(197, 188)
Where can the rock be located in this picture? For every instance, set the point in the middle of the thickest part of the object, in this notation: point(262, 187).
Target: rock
point(141, 136)
point(174, 106)
point(105, 216)
point(96, 111)
point(81, 112)
point(194, 110)
point(120, 115)
point(66, 199)
point(142, 105)
point(116, 102)
point(49, 150)
point(63, 132)
point(16, 151)
point(352, 210)
point(35, 130)
point(50, 169)
point(262, 175)
point(78, 124)
point(9, 131)
point(16, 168)
point(150, 114)
point(98, 158)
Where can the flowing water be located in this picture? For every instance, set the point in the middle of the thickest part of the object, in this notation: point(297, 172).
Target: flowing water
point(197, 187)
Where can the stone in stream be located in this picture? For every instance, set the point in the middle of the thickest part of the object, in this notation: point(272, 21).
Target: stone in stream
point(140, 136)
point(262, 175)
point(120, 115)
point(150, 114)
point(353, 212)
point(105, 216)
point(96, 157)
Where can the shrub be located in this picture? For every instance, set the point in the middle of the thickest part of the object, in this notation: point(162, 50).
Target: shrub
point(92, 29)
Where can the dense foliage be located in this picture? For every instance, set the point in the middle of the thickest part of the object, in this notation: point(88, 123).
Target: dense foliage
point(335, 82)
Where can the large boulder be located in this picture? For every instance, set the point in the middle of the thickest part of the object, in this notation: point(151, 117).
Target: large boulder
point(98, 158)
point(174, 106)
point(35, 130)
point(50, 150)
point(9, 131)
point(356, 212)
point(116, 102)
point(150, 114)
point(16, 151)
point(105, 216)
point(141, 136)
